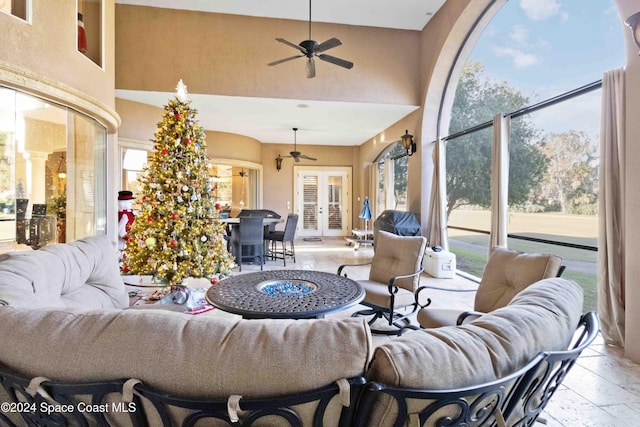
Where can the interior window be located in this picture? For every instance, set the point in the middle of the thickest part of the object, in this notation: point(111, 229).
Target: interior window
point(17, 8)
point(90, 31)
point(52, 172)
point(392, 168)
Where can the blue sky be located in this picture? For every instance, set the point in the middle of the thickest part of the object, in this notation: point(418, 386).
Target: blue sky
point(547, 47)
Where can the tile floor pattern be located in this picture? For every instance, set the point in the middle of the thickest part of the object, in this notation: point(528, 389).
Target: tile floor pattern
point(602, 390)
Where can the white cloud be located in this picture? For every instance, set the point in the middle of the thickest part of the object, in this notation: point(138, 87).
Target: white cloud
point(581, 113)
point(564, 17)
point(519, 34)
point(539, 10)
point(520, 59)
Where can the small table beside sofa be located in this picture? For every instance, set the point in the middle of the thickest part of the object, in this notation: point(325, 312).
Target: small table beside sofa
point(67, 333)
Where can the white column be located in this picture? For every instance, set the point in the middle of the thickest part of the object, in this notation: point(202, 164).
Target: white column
point(36, 175)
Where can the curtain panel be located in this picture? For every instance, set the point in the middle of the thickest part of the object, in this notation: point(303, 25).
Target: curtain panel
point(611, 241)
point(499, 181)
point(437, 232)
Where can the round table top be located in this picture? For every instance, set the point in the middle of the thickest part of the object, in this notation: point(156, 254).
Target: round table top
point(285, 294)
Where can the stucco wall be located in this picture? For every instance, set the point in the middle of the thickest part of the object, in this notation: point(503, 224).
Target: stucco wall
point(47, 48)
point(228, 55)
point(278, 188)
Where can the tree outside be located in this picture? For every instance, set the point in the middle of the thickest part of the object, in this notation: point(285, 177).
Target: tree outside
point(553, 180)
point(571, 181)
point(478, 98)
point(177, 232)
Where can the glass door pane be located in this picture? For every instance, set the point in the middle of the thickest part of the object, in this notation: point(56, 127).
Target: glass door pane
point(334, 203)
point(335, 222)
point(310, 205)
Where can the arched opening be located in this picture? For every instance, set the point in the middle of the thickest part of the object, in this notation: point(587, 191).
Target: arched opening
point(525, 117)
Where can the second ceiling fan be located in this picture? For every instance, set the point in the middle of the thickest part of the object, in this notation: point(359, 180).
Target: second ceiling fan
point(295, 153)
point(311, 49)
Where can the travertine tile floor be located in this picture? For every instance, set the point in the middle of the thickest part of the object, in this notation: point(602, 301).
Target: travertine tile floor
point(603, 389)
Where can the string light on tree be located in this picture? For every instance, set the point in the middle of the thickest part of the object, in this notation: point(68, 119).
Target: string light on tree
point(180, 233)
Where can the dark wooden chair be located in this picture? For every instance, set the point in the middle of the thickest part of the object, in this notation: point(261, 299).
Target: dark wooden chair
point(285, 236)
point(249, 235)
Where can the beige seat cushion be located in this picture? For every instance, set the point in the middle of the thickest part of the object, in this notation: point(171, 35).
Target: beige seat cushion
point(379, 295)
point(396, 256)
point(437, 317)
point(82, 274)
point(542, 317)
point(508, 272)
point(190, 356)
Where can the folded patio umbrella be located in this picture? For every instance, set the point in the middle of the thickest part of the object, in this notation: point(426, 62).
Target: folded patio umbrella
point(365, 213)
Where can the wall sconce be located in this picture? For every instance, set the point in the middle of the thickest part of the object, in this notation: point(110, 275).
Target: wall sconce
point(408, 143)
point(62, 168)
point(279, 162)
point(633, 22)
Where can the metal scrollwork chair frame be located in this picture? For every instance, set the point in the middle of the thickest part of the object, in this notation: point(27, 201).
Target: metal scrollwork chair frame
point(53, 394)
point(515, 400)
point(151, 404)
point(255, 410)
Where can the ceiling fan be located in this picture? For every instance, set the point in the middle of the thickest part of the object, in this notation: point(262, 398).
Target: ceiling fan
point(311, 48)
point(295, 153)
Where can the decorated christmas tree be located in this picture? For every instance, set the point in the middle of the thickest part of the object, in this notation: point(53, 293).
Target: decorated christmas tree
point(177, 232)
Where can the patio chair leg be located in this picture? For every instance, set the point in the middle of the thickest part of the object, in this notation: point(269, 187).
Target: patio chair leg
point(284, 253)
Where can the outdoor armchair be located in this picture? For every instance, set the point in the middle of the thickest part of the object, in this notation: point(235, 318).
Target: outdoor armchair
point(507, 272)
point(394, 279)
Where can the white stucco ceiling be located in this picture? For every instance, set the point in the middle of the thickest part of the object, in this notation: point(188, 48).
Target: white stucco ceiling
point(269, 120)
point(401, 14)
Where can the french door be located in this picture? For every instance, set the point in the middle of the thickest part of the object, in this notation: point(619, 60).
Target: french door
point(323, 200)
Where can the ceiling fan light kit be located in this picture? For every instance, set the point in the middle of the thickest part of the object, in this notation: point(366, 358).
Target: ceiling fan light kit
point(312, 49)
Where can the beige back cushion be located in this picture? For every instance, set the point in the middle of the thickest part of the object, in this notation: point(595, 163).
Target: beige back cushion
point(82, 274)
point(397, 256)
point(508, 272)
point(189, 356)
point(542, 317)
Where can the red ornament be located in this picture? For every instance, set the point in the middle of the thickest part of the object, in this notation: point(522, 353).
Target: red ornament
point(150, 218)
point(165, 151)
point(214, 280)
point(175, 216)
point(187, 141)
point(178, 116)
point(125, 268)
point(173, 243)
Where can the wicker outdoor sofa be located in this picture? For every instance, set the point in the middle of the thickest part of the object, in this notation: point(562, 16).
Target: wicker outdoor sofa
point(71, 353)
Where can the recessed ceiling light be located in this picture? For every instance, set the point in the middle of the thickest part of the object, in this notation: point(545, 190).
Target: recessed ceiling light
point(303, 106)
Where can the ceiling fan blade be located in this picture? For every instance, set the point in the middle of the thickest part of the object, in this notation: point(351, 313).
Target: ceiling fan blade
point(284, 60)
point(297, 159)
point(302, 156)
point(329, 44)
point(293, 45)
point(336, 61)
point(310, 68)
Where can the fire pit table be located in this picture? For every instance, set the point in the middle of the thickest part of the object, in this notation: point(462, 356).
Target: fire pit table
point(285, 294)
